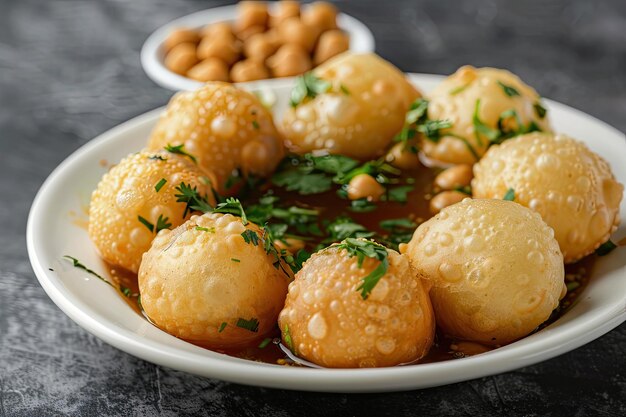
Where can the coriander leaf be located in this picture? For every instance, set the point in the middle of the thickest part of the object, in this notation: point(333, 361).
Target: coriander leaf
point(362, 206)
point(417, 111)
point(77, 264)
point(288, 340)
point(362, 248)
point(540, 110)
point(160, 184)
point(162, 223)
point(232, 206)
point(255, 125)
point(192, 198)
point(251, 325)
point(480, 128)
point(344, 89)
point(299, 259)
point(402, 223)
point(305, 184)
point(264, 343)
point(250, 237)
point(431, 129)
point(332, 164)
point(206, 229)
point(146, 223)
point(222, 327)
point(509, 195)
point(157, 158)
point(606, 248)
point(308, 86)
point(508, 90)
point(458, 89)
point(344, 227)
point(235, 260)
point(400, 194)
point(179, 149)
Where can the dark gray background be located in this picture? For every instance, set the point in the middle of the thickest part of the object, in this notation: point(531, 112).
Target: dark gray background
point(70, 70)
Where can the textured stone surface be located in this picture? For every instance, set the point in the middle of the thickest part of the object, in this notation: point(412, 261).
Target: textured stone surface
point(69, 70)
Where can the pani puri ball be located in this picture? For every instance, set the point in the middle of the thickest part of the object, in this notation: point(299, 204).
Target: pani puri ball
point(225, 128)
point(327, 321)
point(495, 268)
point(132, 189)
point(358, 116)
point(455, 99)
point(203, 274)
point(570, 186)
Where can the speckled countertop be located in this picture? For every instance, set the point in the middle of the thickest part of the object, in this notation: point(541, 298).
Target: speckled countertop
point(70, 70)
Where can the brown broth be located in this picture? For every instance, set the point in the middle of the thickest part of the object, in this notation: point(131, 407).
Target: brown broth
point(330, 206)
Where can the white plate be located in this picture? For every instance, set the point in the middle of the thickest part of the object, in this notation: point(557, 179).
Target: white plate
point(52, 233)
point(361, 40)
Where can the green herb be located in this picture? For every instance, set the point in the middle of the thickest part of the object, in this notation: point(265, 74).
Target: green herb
point(179, 149)
point(222, 327)
point(606, 248)
point(76, 263)
point(458, 89)
point(162, 223)
point(344, 89)
point(157, 158)
point(508, 90)
point(509, 195)
point(571, 286)
point(160, 184)
point(250, 237)
point(399, 231)
point(400, 194)
point(264, 343)
point(288, 340)
point(294, 180)
point(344, 227)
point(235, 260)
point(362, 249)
point(299, 259)
point(251, 325)
point(255, 125)
point(331, 164)
point(465, 190)
point(206, 229)
point(146, 223)
point(481, 128)
point(192, 198)
point(540, 110)
point(362, 206)
point(232, 206)
point(393, 224)
point(308, 86)
point(432, 129)
point(417, 111)
point(126, 291)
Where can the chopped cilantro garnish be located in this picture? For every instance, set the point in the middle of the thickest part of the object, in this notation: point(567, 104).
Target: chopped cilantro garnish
point(509, 195)
point(402, 223)
point(251, 325)
point(157, 158)
point(431, 129)
point(308, 86)
point(362, 206)
point(255, 125)
point(126, 291)
point(77, 264)
point(250, 237)
point(571, 286)
point(299, 259)
point(179, 149)
point(162, 223)
point(192, 198)
point(481, 128)
point(206, 229)
point(458, 89)
point(344, 227)
point(540, 110)
point(146, 223)
point(400, 194)
point(295, 180)
point(232, 206)
point(362, 248)
point(606, 248)
point(264, 343)
point(344, 89)
point(508, 90)
point(222, 327)
point(160, 184)
point(235, 260)
point(288, 340)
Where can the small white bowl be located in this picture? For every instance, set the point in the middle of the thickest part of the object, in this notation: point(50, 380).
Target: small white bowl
point(361, 40)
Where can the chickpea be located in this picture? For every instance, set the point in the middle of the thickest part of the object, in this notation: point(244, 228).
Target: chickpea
point(365, 186)
point(290, 59)
point(321, 14)
point(251, 13)
point(455, 177)
point(293, 30)
point(181, 58)
point(211, 69)
point(331, 43)
point(249, 32)
point(178, 36)
point(259, 47)
point(248, 70)
point(291, 245)
point(227, 50)
point(401, 156)
point(445, 199)
point(284, 10)
point(218, 30)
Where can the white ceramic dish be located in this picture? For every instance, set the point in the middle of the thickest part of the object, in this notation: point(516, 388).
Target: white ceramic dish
point(361, 40)
point(52, 232)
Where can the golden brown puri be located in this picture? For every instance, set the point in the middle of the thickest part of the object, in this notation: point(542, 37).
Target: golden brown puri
point(358, 116)
point(495, 268)
point(135, 188)
point(329, 323)
point(571, 187)
point(224, 127)
point(455, 99)
point(203, 274)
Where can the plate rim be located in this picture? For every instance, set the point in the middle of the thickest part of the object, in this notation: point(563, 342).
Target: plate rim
point(266, 375)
